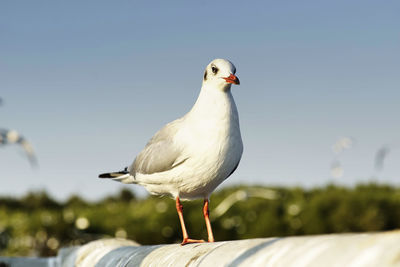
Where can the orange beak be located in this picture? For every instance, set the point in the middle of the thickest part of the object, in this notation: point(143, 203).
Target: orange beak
point(232, 79)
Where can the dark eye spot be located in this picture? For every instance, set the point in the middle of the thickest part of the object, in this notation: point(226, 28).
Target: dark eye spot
point(205, 75)
point(214, 69)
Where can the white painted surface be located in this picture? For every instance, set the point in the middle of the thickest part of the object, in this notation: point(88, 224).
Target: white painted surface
point(353, 250)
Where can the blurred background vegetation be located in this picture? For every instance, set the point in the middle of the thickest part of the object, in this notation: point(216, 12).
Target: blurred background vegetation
point(37, 225)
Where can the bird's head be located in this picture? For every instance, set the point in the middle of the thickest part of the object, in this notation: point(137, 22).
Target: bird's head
point(220, 73)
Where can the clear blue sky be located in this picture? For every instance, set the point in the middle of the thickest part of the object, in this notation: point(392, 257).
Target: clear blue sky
point(89, 82)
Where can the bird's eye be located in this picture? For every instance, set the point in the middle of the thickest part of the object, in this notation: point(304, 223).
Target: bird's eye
point(214, 70)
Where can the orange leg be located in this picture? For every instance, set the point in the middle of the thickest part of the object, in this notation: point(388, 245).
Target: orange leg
point(186, 239)
point(207, 219)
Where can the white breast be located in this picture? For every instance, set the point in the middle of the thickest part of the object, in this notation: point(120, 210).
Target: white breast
point(211, 146)
point(212, 142)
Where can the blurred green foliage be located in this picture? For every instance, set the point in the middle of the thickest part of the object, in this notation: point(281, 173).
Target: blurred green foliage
point(37, 225)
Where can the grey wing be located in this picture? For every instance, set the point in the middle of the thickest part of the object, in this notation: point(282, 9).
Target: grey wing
point(160, 154)
point(234, 169)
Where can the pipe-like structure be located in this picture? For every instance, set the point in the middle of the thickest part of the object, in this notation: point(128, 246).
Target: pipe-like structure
point(357, 249)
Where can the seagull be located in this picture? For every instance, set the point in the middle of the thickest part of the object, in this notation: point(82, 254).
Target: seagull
point(13, 137)
point(189, 157)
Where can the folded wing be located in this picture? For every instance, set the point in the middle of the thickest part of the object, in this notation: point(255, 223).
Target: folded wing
point(161, 152)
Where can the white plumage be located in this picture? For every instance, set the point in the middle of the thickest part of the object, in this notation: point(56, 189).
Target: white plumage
point(189, 157)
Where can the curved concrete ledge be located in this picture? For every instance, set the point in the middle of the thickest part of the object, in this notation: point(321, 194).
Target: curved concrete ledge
point(365, 249)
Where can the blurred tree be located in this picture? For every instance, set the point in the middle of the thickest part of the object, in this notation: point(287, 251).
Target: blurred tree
point(38, 225)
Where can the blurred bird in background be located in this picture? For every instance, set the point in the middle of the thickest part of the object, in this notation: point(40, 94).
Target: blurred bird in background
point(13, 137)
point(341, 145)
point(380, 157)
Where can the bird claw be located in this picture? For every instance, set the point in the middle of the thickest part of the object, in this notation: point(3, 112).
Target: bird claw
point(191, 241)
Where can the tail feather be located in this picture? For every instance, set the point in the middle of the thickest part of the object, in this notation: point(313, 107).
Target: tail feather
point(113, 175)
point(121, 176)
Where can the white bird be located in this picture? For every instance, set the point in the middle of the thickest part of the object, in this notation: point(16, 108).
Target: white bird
point(189, 157)
point(13, 137)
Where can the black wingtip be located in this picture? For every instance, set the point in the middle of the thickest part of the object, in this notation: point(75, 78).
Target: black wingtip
point(105, 175)
point(113, 174)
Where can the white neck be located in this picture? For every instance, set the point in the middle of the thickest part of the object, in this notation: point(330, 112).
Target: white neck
point(213, 104)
